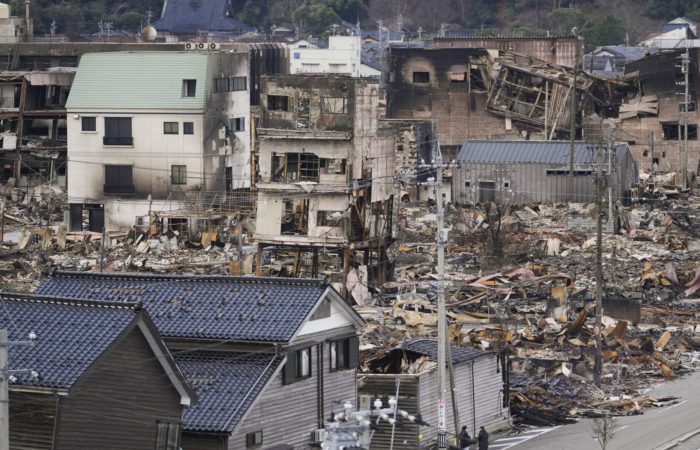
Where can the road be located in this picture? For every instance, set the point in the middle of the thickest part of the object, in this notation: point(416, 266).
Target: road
point(653, 429)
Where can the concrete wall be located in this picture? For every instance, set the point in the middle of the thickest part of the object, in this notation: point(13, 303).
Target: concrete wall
point(342, 56)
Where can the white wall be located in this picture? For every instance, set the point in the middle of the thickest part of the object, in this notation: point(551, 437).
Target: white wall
point(343, 55)
point(152, 155)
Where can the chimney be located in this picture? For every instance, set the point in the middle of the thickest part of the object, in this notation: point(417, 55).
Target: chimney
point(26, 9)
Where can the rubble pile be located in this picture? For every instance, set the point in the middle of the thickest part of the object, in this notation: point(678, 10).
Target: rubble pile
point(535, 301)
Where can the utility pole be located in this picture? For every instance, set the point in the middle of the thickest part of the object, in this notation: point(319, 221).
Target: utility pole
point(572, 130)
point(686, 102)
point(442, 318)
point(546, 109)
point(599, 269)
point(652, 154)
point(5, 375)
point(611, 154)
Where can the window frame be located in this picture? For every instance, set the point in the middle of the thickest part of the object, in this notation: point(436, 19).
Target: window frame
point(189, 88)
point(94, 124)
point(418, 75)
point(274, 102)
point(251, 439)
point(171, 128)
point(120, 187)
point(178, 174)
point(349, 349)
point(163, 441)
point(236, 82)
point(121, 138)
point(185, 126)
point(293, 370)
point(236, 124)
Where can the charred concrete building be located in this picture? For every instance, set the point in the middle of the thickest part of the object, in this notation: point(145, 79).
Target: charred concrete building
point(33, 126)
point(651, 115)
point(325, 180)
point(559, 50)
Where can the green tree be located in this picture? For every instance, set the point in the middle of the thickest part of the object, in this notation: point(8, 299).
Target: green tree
point(608, 31)
point(255, 13)
point(349, 10)
point(315, 18)
point(670, 9)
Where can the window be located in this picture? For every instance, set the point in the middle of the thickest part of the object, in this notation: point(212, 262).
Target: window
point(89, 124)
point(254, 439)
point(293, 167)
point(278, 103)
point(692, 106)
point(467, 184)
point(327, 218)
point(676, 132)
point(421, 77)
point(236, 124)
point(221, 85)
point(187, 127)
point(170, 128)
point(458, 77)
point(399, 147)
point(239, 83)
point(577, 172)
point(118, 179)
point(118, 131)
point(344, 353)
point(298, 366)
point(323, 311)
point(334, 105)
point(167, 436)
point(312, 68)
point(178, 174)
point(337, 68)
point(189, 88)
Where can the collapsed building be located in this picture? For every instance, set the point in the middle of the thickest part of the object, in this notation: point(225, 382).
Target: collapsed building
point(33, 126)
point(326, 168)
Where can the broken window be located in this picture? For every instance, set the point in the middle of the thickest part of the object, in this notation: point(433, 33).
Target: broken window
point(293, 167)
point(118, 179)
point(178, 174)
point(421, 77)
point(278, 103)
point(187, 127)
point(458, 77)
point(170, 128)
point(334, 166)
point(189, 88)
point(89, 124)
point(334, 105)
point(118, 131)
point(476, 79)
point(304, 113)
point(327, 218)
point(692, 106)
point(674, 131)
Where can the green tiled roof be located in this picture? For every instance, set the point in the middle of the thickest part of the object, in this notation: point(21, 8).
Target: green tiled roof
point(140, 80)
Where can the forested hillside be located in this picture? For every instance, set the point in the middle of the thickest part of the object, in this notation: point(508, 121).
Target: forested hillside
point(599, 21)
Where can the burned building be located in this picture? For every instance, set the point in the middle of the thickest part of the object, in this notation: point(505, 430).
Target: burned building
point(651, 116)
point(559, 50)
point(33, 126)
point(326, 166)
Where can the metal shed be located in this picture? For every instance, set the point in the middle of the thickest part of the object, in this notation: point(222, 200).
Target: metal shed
point(519, 172)
point(479, 392)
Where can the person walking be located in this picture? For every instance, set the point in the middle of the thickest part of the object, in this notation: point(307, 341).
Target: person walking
point(464, 439)
point(483, 439)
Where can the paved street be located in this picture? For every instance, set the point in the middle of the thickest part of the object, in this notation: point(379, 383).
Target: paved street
point(649, 431)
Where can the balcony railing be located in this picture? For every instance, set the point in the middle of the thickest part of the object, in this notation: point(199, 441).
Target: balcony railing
point(118, 140)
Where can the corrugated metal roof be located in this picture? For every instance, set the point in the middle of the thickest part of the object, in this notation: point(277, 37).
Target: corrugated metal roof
point(534, 152)
point(140, 80)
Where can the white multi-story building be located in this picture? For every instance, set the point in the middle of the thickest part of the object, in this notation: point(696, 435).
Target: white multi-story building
point(343, 56)
point(155, 131)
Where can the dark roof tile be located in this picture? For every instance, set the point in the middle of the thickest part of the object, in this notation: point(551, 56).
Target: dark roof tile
point(428, 347)
point(202, 307)
point(71, 336)
point(226, 385)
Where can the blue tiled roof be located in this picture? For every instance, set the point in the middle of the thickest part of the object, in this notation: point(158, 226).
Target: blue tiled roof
point(202, 307)
point(72, 334)
point(193, 16)
point(428, 347)
point(226, 385)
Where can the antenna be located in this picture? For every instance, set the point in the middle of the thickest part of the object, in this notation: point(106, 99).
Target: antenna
point(52, 29)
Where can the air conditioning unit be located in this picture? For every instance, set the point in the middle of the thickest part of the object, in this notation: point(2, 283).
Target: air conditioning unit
point(319, 435)
point(201, 46)
point(190, 46)
point(213, 47)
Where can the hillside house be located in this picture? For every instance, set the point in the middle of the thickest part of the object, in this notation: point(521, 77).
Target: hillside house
point(269, 359)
